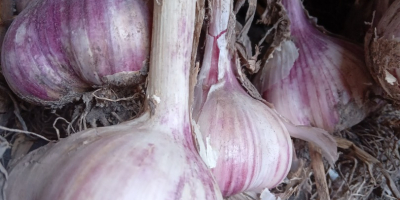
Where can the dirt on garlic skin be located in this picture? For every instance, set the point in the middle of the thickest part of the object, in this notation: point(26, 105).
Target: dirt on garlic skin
point(350, 113)
point(125, 79)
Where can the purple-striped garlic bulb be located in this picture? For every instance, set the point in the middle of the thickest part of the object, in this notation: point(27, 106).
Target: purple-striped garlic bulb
point(246, 145)
point(316, 79)
point(56, 50)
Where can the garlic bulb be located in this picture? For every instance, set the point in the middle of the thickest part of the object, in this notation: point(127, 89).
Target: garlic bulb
point(382, 51)
point(251, 147)
point(246, 145)
point(327, 86)
point(152, 157)
point(56, 50)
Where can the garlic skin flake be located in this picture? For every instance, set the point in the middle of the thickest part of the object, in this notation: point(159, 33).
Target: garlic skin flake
point(212, 155)
point(390, 78)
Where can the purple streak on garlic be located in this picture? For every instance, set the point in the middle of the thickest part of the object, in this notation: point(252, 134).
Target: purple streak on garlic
point(55, 50)
point(151, 157)
point(326, 87)
point(246, 145)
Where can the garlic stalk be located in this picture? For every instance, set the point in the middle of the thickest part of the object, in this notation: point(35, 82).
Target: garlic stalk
point(327, 86)
point(246, 145)
point(152, 157)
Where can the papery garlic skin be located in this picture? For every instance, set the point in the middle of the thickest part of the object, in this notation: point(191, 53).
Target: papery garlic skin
point(56, 50)
point(327, 86)
point(382, 51)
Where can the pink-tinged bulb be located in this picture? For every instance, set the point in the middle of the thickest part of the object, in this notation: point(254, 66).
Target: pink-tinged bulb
point(122, 162)
point(326, 86)
point(55, 50)
point(243, 141)
point(249, 143)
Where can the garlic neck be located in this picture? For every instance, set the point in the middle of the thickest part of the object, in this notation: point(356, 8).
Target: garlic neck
point(168, 86)
point(300, 23)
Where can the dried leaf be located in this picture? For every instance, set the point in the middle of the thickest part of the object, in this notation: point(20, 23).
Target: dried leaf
point(370, 161)
point(319, 172)
point(4, 145)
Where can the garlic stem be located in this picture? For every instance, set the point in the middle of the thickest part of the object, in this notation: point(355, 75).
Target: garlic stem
point(170, 64)
point(217, 60)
